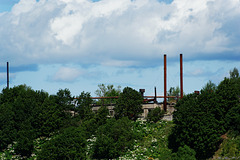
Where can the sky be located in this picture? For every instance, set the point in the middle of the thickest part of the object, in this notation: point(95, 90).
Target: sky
point(79, 44)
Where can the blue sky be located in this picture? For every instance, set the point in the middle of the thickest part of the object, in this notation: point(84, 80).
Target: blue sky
point(78, 44)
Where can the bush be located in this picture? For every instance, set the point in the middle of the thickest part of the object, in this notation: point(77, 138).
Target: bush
point(114, 138)
point(233, 119)
point(228, 92)
point(231, 146)
point(71, 144)
point(102, 115)
point(184, 153)
point(129, 104)
point(7, 128)
point(84, 108)
point(155, 115)
point(196, 125)
point(24, 145)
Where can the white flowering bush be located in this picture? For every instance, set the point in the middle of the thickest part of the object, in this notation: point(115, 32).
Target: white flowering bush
point(150, 142)
point(153, 143)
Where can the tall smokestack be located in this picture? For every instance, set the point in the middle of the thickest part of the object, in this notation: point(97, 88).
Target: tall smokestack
point(7, 75)
point(165, 83)
point(181, 77)
point(155, 97)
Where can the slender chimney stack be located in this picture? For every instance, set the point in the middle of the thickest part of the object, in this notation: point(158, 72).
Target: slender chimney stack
point(165, 83)
point(7, 75)
point(155, 97)
point(181, 76)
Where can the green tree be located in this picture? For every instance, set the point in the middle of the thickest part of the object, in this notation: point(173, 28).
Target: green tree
point(174, 92)
point(64, 99)
point(114, 138)
point(209, 87)
point(201, 119)
point(196, 125)
point(7, 125)
point(233, 119)
point(70, 144)
point(102, 115)
point(184, 153)
point(48, 117)
point(228, 91)
point(84, 109)
point(234, 73)
point(21, 102)
point(107, 91)
point(26, 114)
point(24, 142)
point(129, 104)
point(155, 115)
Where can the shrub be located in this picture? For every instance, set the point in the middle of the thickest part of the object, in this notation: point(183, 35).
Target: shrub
point(114, 138)
point(24, 145)
point(84, 108)
point(184, 153)
point(102, 115)
point(155, 115)
point(233, 118)
point(231, 146)
point(71, 144)
point(129, 104)
point(196, 125)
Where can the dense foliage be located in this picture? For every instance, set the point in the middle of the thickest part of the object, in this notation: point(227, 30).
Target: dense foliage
point(27, 114)
point(196, 126)
point(174, 91)
point(230, 148)
point(114, 138)
point(107, 91)
point(155, 115)
point(83, 108)
point(184, 153)
point(202, 119)
point(71, 144)
point(129, 104)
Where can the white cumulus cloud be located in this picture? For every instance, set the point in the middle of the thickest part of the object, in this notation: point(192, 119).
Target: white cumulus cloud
point(119, 33)
point(66, 74)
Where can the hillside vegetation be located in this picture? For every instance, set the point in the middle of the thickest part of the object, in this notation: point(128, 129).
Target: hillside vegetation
point(36, 125)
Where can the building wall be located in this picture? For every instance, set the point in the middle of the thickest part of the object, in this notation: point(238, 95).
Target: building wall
point(146, 109)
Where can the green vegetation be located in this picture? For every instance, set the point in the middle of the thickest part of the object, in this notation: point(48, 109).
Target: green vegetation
point(230, 147)
point(107, 91)
point(202, 119)
point(27, 115)
point(155, 115)
point(71, 144)
point(84, 109)
point(36, 125)
point(114, 138)
point(152, 142)
point(174, 91)
point(129, 104)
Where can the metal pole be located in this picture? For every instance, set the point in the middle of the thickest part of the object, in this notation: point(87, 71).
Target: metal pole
point(181, 76)
point(155, 98)
point(165, 83)
point(7, 75)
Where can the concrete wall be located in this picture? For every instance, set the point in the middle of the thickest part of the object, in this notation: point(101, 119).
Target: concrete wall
point(146, 109)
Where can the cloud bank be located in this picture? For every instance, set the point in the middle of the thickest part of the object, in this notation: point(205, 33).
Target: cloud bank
point(119, 33)
point(67, 74)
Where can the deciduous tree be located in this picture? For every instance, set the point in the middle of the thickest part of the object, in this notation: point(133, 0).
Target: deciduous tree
point(129, 104)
